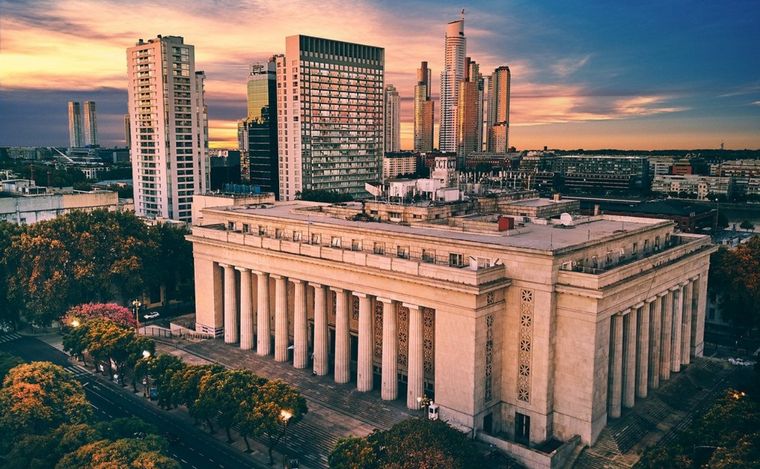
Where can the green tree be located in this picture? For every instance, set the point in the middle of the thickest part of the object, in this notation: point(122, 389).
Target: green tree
point(176, 276)
point(187, 383)
point(44, 451)
point(270, 411)
point(745, 455)
point(735, 274)
point(125, 452)
point(39, 396)
point(221, 394)
point(9, 309)
point(161, 370)
point(747, 225)
point(353, 453)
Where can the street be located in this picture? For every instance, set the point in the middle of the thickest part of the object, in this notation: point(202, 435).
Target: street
point(190, 446)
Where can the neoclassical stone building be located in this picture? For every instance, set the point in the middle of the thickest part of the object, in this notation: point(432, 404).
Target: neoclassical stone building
point(545, 329)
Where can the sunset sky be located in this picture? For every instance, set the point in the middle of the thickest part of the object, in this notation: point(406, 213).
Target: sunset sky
point(585, 74)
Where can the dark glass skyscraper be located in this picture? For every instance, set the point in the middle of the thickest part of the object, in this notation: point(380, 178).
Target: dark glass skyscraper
point(257, 133)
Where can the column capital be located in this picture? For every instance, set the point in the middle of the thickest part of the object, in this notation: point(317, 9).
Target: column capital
point(297, 281)
point(638, 305)
point(651, 299)
point(223, 265)
point(278, 276)
point(624, 312)
point(694, 278)
point(410, 306)
point(662, 294)
point(337, 289)
point(359, 294)
point(675, 288)
point(242, 269)
point(684, 283)
point(259, 272)
point(384, 300)
point(316, 285)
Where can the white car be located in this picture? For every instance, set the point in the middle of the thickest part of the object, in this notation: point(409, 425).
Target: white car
point(151, 315)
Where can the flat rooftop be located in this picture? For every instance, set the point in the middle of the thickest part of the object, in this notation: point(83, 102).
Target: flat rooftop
point(531, 236)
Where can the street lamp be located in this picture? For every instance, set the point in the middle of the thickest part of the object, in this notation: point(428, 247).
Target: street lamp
point(136, 305)
point(75, 323)
point(423, 401)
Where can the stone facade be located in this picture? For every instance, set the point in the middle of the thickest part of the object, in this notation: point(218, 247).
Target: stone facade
point(542, 332)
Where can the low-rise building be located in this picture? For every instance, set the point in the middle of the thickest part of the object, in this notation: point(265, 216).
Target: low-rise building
point(400, 163)
point(23, 203)
point(699, 187)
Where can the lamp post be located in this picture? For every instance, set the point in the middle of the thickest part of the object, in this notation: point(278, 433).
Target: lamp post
point(423, 402)
point(285, 416)
point(146, 381)
point(136, 305)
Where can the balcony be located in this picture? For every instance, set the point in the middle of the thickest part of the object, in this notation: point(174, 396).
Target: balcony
point(413, 267)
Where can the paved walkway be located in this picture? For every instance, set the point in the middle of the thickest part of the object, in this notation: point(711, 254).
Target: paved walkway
point(335, 410)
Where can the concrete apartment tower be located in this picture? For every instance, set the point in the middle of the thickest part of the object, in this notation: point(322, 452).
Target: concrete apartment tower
point(169, 127)
point(498, 110)
point(392, 119)
point(127, 132)
point(470, 112)
point(76, 136)
point(452, 75)
point(90, 124)
point(257, 133)
point(424, 110)
point(331, 137)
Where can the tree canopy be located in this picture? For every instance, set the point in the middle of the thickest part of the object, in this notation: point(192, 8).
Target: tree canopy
point(735, 275)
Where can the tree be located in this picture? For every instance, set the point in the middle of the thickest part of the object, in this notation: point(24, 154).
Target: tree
point(187, 383)
point(413, 443)
point(745, 455)
point(221, 396)
point(170, 243)
point(161, 369)
point(735, 274)
point(747, 225)
point(39, 396)
point(117, 314)
point(353, 453)
point(126, 452)
point(44, 451)
point(270, 411)
point(9, 310)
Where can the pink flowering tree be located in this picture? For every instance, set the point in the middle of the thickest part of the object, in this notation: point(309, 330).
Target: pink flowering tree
point(111, 311)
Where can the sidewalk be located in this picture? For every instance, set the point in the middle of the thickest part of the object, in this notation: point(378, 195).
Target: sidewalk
point(335, 410)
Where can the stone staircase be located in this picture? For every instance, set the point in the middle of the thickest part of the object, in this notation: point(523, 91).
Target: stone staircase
point(658, 418)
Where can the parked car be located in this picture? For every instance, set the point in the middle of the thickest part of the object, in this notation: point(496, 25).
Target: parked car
point(151, 315)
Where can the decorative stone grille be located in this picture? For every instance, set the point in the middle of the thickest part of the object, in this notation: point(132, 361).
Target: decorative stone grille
point(428, 341)
point(489, 358)
point(403, 335)
point(526, 345)
point(378, 332)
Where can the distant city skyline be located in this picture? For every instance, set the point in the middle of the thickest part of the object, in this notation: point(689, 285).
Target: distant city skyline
point(584, 75)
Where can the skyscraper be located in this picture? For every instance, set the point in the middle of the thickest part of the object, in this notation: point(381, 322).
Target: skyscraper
point(330, 107)
point(423, 110)
point(470, 111)
point(76, 137)
point(90, 124)
point(392, 119)
point(498, 110)
point(257, 133)
point(451, 76)
point(169, 127)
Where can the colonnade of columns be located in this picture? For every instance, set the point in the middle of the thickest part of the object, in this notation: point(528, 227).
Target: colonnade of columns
point(651, 340)
point(254, 322)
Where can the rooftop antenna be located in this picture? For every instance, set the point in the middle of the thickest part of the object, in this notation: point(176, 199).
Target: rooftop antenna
point(462, 14)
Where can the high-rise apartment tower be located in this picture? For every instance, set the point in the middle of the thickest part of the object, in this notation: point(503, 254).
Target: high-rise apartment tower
point(76, 136)
point(498, 110)
point(169, 127)
point(90, 124)
point(392, 119)
point(470, 112)
point(330, 111)
point(423, 110)
point(451, 76)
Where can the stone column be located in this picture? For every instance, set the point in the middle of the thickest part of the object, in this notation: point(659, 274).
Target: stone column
point(616, 366)
point(686, 327)
point(642, 358)
point(300, 326)
point(667, 337)
point(698, 316)
point(281, 335)
point(342, 336)
point(629, 391)
point(263, 329)
point(230, 305)
point(655, 334)
point(415, 366)
point(364, 359)
point(389, 389)
point(321, 358)
point(675, 361)
point(246, 310)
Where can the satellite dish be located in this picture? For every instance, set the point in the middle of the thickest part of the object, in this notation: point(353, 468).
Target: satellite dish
point(566, 219)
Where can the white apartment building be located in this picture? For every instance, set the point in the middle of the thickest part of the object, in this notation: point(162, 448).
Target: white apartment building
point(451, 76)
point(169, 128)
point(392, 119)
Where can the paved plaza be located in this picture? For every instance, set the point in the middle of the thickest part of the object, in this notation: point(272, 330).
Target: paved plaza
point(335, 410)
